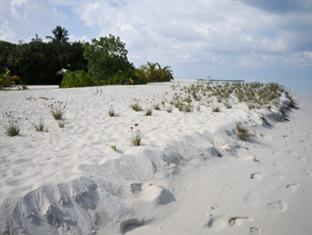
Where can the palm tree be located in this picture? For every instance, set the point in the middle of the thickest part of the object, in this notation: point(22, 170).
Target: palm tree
point(59, 35)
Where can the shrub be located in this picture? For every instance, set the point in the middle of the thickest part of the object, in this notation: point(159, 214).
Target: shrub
point(107, 60)
point(153, 72)
point(57, 110)
point(13, 128)
point(6, 80)
point(77, 78)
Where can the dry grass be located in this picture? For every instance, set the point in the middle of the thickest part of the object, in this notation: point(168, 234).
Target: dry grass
point(242, 132)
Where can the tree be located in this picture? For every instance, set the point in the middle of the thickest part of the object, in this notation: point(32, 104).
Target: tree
point(153, 72)
point(59, 35)
point(107, 60)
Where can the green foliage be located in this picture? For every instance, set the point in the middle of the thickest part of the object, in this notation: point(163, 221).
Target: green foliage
point(7, 80)
point(77, 78)
point(37, 62)
point(107, 60)
point(116, 149)
point(59, 35)
point(153, 72)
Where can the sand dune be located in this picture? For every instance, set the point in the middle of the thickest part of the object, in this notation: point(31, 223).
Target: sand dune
point(191, 175)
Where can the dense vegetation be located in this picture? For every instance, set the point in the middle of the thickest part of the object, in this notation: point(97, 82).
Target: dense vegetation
point(99, 62)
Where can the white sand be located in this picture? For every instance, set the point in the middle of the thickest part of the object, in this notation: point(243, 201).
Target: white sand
point(69, 180)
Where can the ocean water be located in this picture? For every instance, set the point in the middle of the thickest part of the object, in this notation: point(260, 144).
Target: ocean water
point(300, 86)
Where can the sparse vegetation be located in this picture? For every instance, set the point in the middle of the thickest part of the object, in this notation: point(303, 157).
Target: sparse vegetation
point(57, 109)
point(111, 112)
point(61, 123)
point(136, 137)
point(136, 106)
point(156, 107)
point(13, 129)
point(216, 109)
point(148, 112)
point(242, 132)
point(254, 95)
point(116, 149)
point(169, 109)
point(39, 126)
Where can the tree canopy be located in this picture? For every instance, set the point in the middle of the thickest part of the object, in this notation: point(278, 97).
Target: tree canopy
point(59, 35)
point(99, 62)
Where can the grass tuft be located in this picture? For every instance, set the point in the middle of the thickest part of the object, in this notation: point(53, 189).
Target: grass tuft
point(13, 129)
point(148, 112)
point(57, 109)
point(242, 132)
point(136, 136)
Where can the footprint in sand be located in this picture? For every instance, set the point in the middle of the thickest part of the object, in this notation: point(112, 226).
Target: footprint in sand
point(302, 159)
point(257, 176)
point(277, 207)
point(293, 187)
point(255, 231)
point(221, 222)
point(132, 224)
point(277, 165)
point(308, 173)
point(251, 199)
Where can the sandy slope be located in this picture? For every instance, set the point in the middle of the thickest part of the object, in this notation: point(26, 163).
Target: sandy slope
point(69, 181)
point(271, 195)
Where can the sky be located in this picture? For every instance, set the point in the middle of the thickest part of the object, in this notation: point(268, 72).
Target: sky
point(225, 39)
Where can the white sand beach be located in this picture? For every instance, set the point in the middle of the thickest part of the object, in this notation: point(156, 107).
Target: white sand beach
point(190, 175)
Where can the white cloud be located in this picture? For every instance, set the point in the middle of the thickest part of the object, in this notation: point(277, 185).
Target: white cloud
point(194, 32)
point(18, 8)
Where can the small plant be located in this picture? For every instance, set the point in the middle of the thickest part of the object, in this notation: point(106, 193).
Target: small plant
point(169, 109)
point(61, 123)
point(13, 128)
point(228, 105)
point(111, 112)
point(136, 106)
point(242, 132)
point(188, 108)
point(216, 109)
point(39, 126)
point(57, 109)
point(136, 135)
point(156, 107)
point(148, 112)
point(117, 150)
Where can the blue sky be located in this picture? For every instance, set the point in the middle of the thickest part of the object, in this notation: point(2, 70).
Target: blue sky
point(236, 39)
